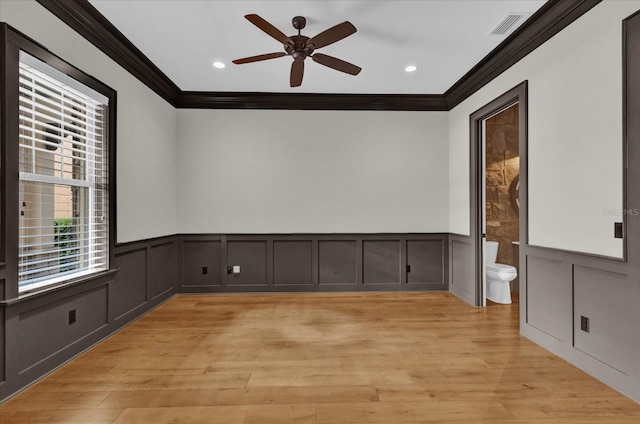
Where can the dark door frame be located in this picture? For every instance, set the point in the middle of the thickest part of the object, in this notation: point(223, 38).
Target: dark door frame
point(518, 95)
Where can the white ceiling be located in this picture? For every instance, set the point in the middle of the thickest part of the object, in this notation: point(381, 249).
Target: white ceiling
point(444, 38)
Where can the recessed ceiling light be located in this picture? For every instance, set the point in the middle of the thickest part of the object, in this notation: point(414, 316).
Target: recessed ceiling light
point(411, 68)
point(218, 65)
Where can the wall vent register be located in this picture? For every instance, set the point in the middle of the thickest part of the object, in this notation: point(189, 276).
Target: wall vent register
point(63, 187)
point(509, 23)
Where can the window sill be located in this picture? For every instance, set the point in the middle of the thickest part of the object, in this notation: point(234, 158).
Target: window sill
point(52, 289)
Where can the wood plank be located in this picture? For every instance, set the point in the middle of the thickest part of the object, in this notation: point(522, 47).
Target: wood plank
point(61, 416)
point(264, 414)
point(248, 396)
point(411, 412)
point(43, 400)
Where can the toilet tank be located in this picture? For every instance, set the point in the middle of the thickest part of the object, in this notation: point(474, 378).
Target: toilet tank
point(490, 251)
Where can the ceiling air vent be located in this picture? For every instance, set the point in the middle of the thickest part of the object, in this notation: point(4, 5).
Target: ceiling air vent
point(508, 23)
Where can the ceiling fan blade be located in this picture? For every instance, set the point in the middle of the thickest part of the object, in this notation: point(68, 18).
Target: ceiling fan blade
point(332, 35)
point(268, 28)
point(297, 71)
point(337, 64)
point(258, 58)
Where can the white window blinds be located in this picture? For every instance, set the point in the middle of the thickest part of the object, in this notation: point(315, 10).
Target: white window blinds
point(63, 184)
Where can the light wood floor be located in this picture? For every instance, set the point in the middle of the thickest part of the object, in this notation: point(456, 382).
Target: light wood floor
point(321, 359)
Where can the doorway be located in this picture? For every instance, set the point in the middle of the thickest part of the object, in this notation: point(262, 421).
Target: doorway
point(496, 199)
point(501, 169)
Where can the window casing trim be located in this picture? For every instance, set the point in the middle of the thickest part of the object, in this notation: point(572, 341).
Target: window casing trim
point(11, 43)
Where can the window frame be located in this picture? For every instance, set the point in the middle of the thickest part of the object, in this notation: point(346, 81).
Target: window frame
point(11, 43)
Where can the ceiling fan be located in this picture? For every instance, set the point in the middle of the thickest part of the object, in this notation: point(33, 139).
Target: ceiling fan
point(299, 47)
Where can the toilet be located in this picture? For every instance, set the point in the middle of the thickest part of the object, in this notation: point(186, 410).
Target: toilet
point(498, 276)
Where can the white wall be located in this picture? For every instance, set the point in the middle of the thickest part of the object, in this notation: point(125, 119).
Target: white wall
point(575, 134)
point(258, 171)
point(146, 125)
point(262, 171)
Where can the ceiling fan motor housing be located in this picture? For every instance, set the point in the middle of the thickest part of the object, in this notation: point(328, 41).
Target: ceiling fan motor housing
point(299, 50)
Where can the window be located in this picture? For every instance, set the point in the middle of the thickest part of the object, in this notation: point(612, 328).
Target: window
point(63, 186)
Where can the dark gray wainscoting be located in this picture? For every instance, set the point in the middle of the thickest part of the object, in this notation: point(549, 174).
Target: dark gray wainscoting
point(461, 267)
point(147, 275)
point(2, 345)
point(37, 335)
point(557, 288)
point(313, 262)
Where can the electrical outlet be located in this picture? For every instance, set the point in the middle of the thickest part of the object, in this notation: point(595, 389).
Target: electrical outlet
point(584, 324)
point(236, 269)
point(408, 268)
point(205, 270)
point(72, 316)
point(229, 270)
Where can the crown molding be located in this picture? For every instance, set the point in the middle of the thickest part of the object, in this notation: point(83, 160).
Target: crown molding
point(550, 19)
point(309, 101)
point(85, 19)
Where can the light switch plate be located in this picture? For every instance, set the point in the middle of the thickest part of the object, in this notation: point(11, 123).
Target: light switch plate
point(236, 269)
point(618, 230)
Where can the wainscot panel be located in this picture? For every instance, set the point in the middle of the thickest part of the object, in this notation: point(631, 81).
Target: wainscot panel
point(611, 335)
point(425, 261)
point(2, 319)
point(312, 262)
point(381, 262)
point(163, 259)
point(337, 262)
point(148, 275)
point(201, 263)
point(249, 258)
point(549, 296)
point(55, 326)
point(130, 288)
point(461, 268)
point(292, 262)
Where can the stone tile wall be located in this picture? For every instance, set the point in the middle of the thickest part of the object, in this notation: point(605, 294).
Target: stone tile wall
point(502, 167)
